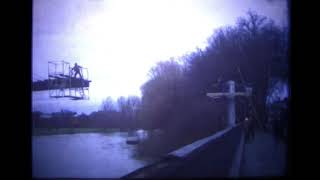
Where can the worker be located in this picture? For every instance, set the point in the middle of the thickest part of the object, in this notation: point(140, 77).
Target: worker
point(76, 70)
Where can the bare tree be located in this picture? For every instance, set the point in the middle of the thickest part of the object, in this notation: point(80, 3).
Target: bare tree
point(128, 108)
point(108, 105)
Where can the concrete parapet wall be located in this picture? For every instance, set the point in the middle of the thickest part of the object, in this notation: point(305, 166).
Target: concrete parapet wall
point(218, 155)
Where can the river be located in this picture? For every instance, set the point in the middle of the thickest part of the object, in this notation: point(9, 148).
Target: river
point(84, 155)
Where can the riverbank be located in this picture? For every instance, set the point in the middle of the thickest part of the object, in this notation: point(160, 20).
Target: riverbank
point(56, 131)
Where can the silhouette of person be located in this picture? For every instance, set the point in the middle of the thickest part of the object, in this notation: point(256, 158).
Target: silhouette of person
point(250, 124)
point(76, 70)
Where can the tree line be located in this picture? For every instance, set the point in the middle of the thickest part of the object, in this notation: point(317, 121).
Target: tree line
point(253, 52)
point(120, 114)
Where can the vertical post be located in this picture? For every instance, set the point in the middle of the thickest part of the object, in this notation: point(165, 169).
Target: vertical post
point(69, 70)
point(231, 104)
point(87, 74)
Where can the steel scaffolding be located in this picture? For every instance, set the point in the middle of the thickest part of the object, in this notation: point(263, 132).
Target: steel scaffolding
point(63, 83)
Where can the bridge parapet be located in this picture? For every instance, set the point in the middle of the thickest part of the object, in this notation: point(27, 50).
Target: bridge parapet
point(218, 155)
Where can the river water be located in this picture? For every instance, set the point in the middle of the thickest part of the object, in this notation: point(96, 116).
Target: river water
point(84, 155)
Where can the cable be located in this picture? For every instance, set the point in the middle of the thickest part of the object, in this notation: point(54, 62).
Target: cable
point(255, 114)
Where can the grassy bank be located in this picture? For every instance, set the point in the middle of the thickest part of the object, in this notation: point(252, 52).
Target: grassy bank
point(54, 131)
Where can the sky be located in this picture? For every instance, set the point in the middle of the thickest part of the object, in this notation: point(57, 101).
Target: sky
point(120, 40)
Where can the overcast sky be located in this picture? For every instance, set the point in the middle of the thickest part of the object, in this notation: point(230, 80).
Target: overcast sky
point(118, 41)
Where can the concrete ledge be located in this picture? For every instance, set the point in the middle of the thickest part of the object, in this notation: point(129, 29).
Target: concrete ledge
point(188, 149)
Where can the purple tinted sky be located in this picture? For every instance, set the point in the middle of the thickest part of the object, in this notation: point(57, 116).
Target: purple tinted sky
point(120, 40)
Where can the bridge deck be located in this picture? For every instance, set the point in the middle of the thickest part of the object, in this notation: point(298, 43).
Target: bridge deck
point(218, 156)
point(264, 157)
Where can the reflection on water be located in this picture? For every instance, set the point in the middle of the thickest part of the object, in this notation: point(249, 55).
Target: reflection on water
point(141, 134)
point(87, 155)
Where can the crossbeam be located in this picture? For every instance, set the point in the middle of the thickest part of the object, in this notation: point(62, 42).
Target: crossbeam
point(230, 95)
